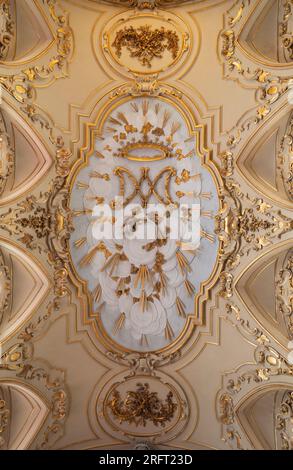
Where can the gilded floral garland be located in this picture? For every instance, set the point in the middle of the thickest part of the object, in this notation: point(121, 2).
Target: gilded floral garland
point(141, 406)
point(145, 44)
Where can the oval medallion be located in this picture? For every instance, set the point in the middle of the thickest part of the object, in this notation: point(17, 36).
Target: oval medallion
point(144, 241)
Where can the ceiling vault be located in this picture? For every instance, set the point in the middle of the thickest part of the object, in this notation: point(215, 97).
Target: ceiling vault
point(123, 115)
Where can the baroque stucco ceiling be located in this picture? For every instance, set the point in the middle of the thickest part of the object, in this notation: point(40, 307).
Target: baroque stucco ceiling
point(185, 104)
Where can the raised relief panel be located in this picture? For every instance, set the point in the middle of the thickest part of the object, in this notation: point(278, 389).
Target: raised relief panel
point(285, 159)
point(283, 419)
point(5, 410)
point(255, 35)
point(257, 416)
point(267, 31)
point(24, 32)
point(267, 34)
point(284, 291)
point(22, 413)
point(23, 287)
point(144, 287)
point(143, 408)
point(24, 158)
point(5, 286)
point(266, 290)
point(7, 29)
point(266, 417)
point(156, 322)
point(143, 43)
point(252, 31)
point(267, 161)
point(35, 45)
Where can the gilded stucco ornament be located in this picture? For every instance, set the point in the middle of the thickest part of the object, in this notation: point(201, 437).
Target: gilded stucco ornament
point(7, 157)
point(140, 4)
point(144, 43)
point(269, 371)
point(143, 292)
point(286, 29)
point(5, 417)
point(283, 417)
point(143, 407)
point(285, 159)
point(5, 287)
point(43, 220)
point(246, 223)
point(7, 28)
point(18, 362)
point(245, 226)
point(23, 84)
point(270, 80)
point(284, 292)
point(142, 445)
